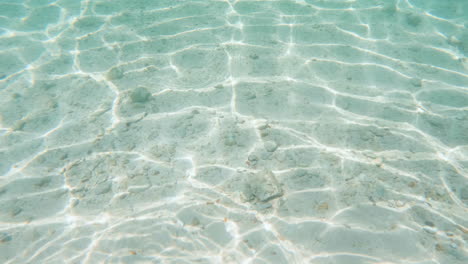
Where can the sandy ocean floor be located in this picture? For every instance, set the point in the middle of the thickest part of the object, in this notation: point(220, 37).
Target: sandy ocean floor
point(232, 131)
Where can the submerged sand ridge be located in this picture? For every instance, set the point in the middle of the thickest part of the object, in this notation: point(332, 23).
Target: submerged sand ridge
point(233, 132)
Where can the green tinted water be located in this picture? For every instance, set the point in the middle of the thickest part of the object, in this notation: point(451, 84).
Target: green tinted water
point(234, 131)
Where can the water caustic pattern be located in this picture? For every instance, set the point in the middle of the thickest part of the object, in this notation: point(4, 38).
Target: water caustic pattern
point(234, 131)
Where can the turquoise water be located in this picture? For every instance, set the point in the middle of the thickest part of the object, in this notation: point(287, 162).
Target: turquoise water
point(322, 132)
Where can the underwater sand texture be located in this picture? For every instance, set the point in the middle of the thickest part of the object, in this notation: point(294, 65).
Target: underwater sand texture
point(231, 131)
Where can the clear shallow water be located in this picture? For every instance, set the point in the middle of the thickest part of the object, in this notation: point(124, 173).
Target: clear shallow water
point(233, 131)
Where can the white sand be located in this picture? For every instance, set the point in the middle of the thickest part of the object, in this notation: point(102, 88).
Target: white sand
point(234, 132)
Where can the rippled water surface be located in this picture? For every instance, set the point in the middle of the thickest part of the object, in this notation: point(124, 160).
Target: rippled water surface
point(231, 131)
